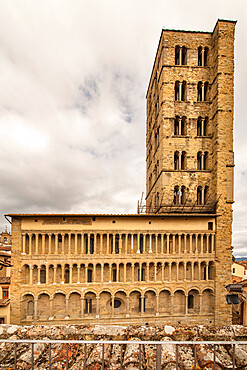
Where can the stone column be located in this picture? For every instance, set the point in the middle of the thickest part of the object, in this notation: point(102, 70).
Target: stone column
point(95, 246)
point(97, 307)
point(62, 243)
point(82, 244)
point(167, 243)
point(147, 272)
point(43, 243)
point(82, 307)
point(202, 127)
point(101, 243)
point(173, 243)
point(127, 306)
point(191, 236)
point(207, 250)
point(192, 271)
point(62, 267)
point(162, 272)
point(76, 242)
point(70, 273)
point(180, 56)
point(185, 271)
point(88, 243)
point(157, 305)
point(126, 243)
point(117, 277)
point(55, 274)
point(113, 244)
point(142, 304)
point(110, 273)
point(202, 243)
point(30, 243)
point(56, 244)
point(180, 126)
point(138, 243)
point(125, 267)
point(170, 271)
point(78, 274)
point(31, 274)
point(179, 243)
point(132, 244)
point(38, 275)
point(156, 243)
point(212, 241)
point(150, 243)
point(37, 243)
point(202, 163)
point(179, 160)
point(196, 251)
point(185, 243)
point(35, 308)
point(120, 243)
point(102, 273)
point(140, 272)
point(86, 269)
point(132, 272)
point(94, 272)
point(144, 243)
point(49, 243)
point(180, 91)
point(51, 307)
point(47, 274)
point(155, 272)
point(107, 243)
point(177, 266)
point(207, 267)
point(202, 89)
point(162, 242)
point(199, 270)
point(66, 306)
point(23, 243)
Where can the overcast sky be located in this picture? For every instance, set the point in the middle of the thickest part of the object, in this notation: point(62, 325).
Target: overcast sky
point(73, 80)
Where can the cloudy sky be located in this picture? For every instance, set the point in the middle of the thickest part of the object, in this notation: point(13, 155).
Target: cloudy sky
point(73, 79)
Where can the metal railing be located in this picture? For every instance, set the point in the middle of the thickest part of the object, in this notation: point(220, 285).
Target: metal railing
point(122, 343)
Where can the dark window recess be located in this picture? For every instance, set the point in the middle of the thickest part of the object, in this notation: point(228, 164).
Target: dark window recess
point(89, 276)
point(190, 301)
point(60, 238)
point(43, 276)
point(117, 303)
point(210, 226)
point(114, 275)
point(88, 305)
point(140, 304)
point(66, 276)
point(141, 244)
point(1, 320)
point(91, 249)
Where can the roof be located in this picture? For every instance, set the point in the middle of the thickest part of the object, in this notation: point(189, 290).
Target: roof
point(4, 302)
point(4, 280)
point(106, 214)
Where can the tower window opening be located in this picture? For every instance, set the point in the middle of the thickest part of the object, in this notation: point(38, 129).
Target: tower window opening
point(206, 56)
point(176, 126)
point(190, 301)
point(199, 91)
point(177, 85)
point(176, 161)
point(177, 52)
point(183, 160)
point(184, 87)
point(200, 56)
point(184, 55)
point(202, 126)
point(206, 88)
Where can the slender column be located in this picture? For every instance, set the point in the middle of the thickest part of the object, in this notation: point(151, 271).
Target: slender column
point(56, 243)
point(199, 270)
point(51, 307)
point(55, 274)
point(126, 243)
point(180, 91)
point(86, 270)
point(36, 243)
point(138, 243)
point(112, 305)
point(102, 273)
point(31, 274)
point(179, 160)
point(30, 243)
point(140, 272)
point(117, 277)
point(170, 271)
point(150, 243)
point(142, 305)
point(82, 244)
point(62, 267)
point(127, 306)
point(186, 304)
point(202, 90)
point(97, 307)
point(114, 244)
point(70, 273)
point(107, 243)
point(144, 243)
point(202, 127)
point(207, 267)
point(38, 274)
point(95, 245)
point(162, 243)
point(156, 243)
point(62, 243)
point(201, 243)
point(179, 127)
point(110, 273)
point(157, 305)
point(180, 56)
point(78, 273)
point(196, 251)
point(202, 162)
point(147, 272)
point(47, 274)
point(66, 306)
point(162, 272)
point(76, 243)
point(177, 265)
point(184, 270)
point(101, 243)
point(192, 271)
point(35, 308)
point(207, 250)
point(125, 270)
point(191, 236)
point(167, 244)
point(132, 243)
point(203, 57)
point(132, 272)
point(200, 303)
point(173, 243)
point(43, 243)
point(179, 243)
point(203, 191)
point(94, 273)
point(82, 307)
point(23, 243)
point(49, 243)
point(120, 243)
point(88, 243)
point(155, 271)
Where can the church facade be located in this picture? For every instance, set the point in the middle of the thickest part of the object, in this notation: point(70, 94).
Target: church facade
point(170, 262)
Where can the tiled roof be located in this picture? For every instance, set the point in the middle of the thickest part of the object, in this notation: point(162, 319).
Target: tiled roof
point(4, 302)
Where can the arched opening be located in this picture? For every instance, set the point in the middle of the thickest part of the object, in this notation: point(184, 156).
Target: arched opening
point(200, 56)
point(206, 91)
point(177, 52)
point(193, 301)
point(199, 126)
point(27, 308)
point(183, 161)
point(199, 161)
point(135, 297)
point(179, 302)
point(183, 126)
point(207, 301)
point(177, 90)
point(199, 195)
point(176, 161)
point(66, 274)
point(149, 302)
point(211, 271)
point(165, 302)
point(59, 306)
point(105, 308)
point(206, 51)
point(184, 91)
point(43, 306)
point(205, 160)
point(176, 126)
point(25, 274)
point(184, 55)
point(43, 275)
point(176, 195)
point(74, 305)
point(199, 91)
point(90, 304)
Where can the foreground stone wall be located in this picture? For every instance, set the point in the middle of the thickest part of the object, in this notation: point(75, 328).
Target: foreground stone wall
point(130, 354)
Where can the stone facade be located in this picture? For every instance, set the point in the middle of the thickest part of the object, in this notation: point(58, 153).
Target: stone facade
point(171, 264)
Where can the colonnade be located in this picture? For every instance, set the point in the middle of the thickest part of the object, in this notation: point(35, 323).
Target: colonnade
point(102, 243)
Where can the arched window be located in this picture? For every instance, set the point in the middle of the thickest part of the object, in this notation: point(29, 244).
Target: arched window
point(199, 127)
point(184, 92)
point(89, 275)
point(206, 88)
point(202, 195)
point(176, 195)
point(206, 56)
point(183, 161)
point(205, 131)
point(205, 194)
point(66, 276)
point(43, 275)
point(200, 56)
point(176, 161)
point(177, 51)
point(199, 196)
point(177, 90)
point(205, 160)
point(182, 199)
point(176, 126)
point(184, 56)
point(199, 91)
point(179, 195)
point(30, 308)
